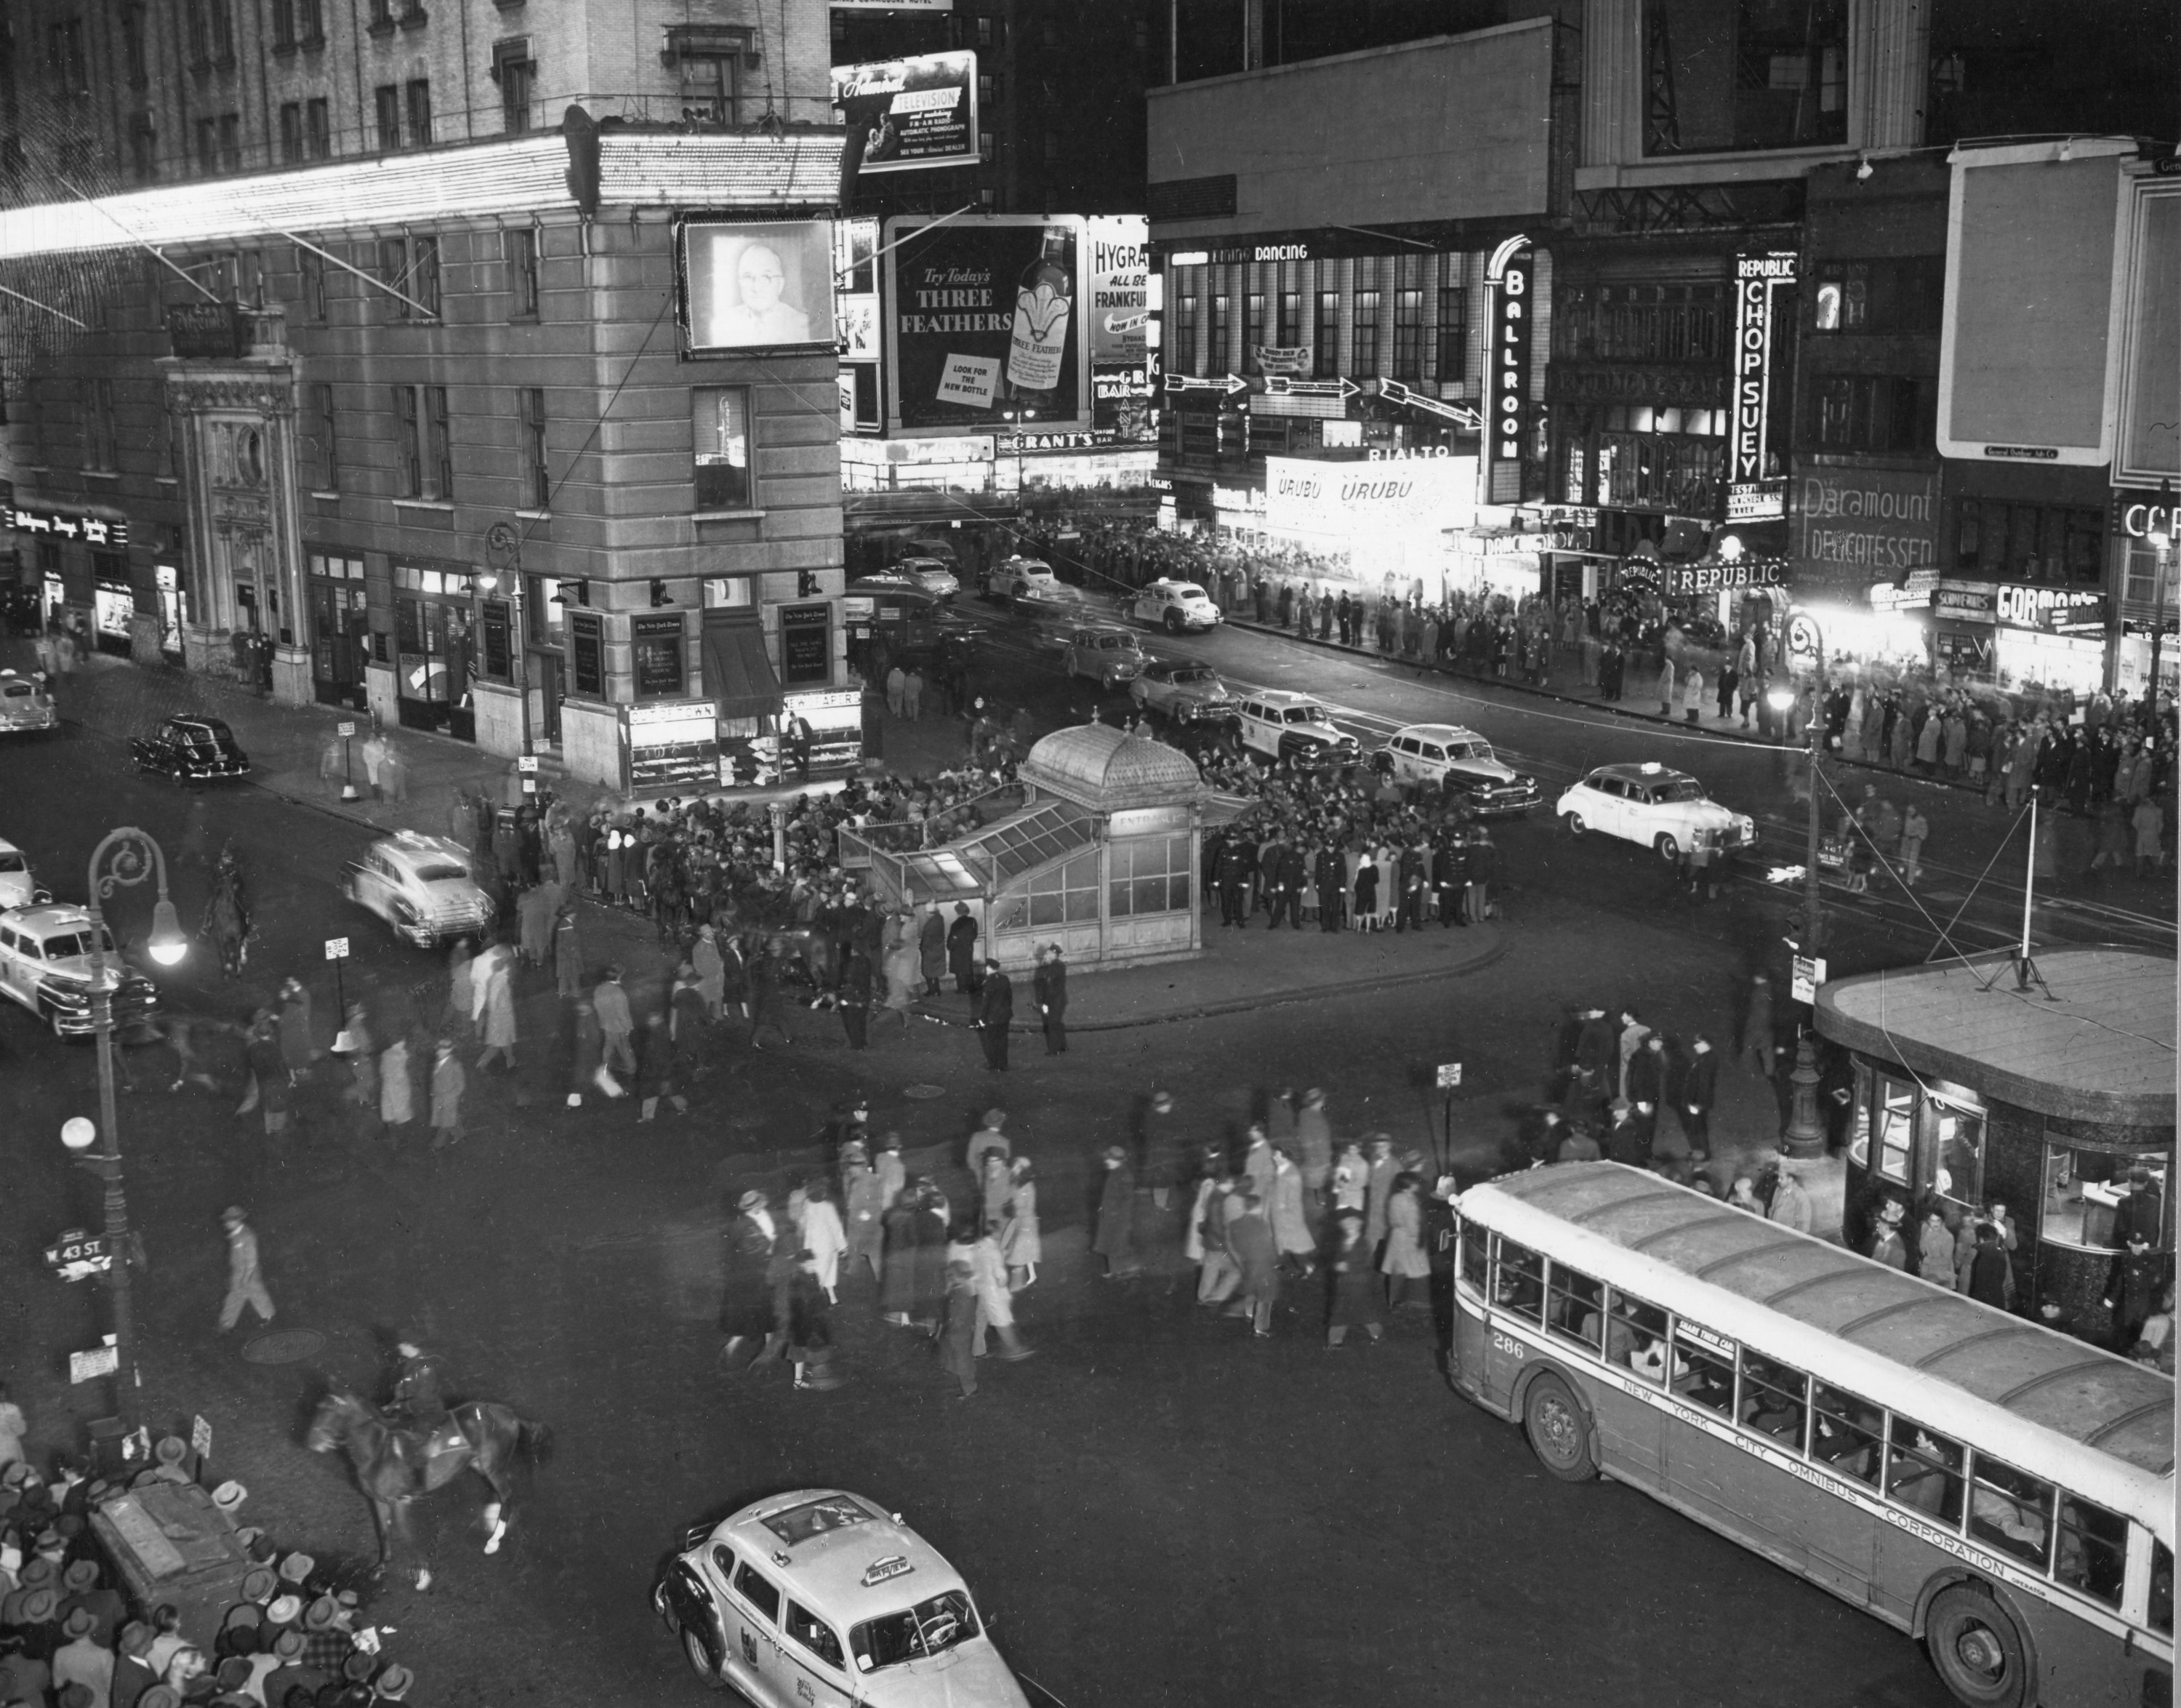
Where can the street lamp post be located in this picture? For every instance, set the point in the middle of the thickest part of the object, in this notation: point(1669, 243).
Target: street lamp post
point(1805, 1133)
point(126, 856)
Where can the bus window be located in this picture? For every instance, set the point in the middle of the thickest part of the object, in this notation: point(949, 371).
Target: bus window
point(1635, 1335)
point(1575, 1307)
point(1924, 1470)
point(1774, 1398)
point(2093, 1553)
point(2011, 1511)
point(1844, 1433)
point(2161, 1588)
point(1519, 1285)
point(1703, 1369)
point(1474, 1247)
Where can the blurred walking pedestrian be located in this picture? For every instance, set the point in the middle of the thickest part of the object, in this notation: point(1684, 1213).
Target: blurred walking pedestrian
point(498, 1026)
point(246, 1274)
point(862, 1208)
point(1249, 1238)
point(448, 1084)
point(995, 1310)
point(1406, 1266)
point(567, 953)
point(1115, 1238)
point(397, 1097)
point(1354, 1289)
point(655, 1055)
point(1021, 1241)
point(1291, 1235)
point(298, 1048)
point(617, 1026)
point(956, 1348)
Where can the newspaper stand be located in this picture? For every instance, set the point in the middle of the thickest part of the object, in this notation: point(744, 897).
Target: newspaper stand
point(171, 1547)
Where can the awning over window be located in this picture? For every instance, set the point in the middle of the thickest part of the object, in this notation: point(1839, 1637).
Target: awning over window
point(736, 668)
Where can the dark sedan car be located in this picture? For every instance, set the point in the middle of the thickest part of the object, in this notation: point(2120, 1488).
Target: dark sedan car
point(191, 749)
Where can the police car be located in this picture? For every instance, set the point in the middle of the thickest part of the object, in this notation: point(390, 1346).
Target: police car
point(421, 885)
point(1461, 759)
point(1650, 804)
point(45, 965)
point(1281, 724)
point(820, 1598)
point(25, 707)
point(1108, 656)
point(1174, 606)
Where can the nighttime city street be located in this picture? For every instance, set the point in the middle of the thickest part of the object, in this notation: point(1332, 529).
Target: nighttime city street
point(998, 851)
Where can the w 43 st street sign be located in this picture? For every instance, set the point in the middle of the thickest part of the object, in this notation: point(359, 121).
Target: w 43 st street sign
point(77, 1254)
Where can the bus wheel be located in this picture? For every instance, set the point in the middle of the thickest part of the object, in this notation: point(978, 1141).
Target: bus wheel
point(1980, 1654)
point(1559, 1434)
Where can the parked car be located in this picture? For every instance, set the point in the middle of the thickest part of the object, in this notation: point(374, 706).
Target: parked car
point(421, 885)
point(933, 577)
point(45, 965)
point(1648, 804)
point(191, 749)
point(1281, 724)
point(25, 707)
point(1455, 758)
point(1184, 690)
point(1174, 606)
point(18, 884)
point(1107, 656)
point(819, 1596)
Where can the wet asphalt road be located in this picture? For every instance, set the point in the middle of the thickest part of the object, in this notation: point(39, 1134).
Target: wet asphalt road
point(1158, 1509)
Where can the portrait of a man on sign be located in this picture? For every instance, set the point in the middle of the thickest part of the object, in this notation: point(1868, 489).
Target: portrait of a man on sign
point(751, 287)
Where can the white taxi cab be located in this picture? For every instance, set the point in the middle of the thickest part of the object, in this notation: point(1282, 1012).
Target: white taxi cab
point(820, 1598)
point(25, 707)
point(18, 884)
point(1174, 606)
point(45, 965)
point(1282, 724)
point(421, 885)
point(1648, 804)
point(1460, 760)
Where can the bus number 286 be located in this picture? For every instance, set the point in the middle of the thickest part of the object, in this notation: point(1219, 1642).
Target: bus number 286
point(1507, 1344)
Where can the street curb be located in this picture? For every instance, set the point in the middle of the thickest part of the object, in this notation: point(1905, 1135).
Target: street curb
point(1631, 713)
point(1286, 998)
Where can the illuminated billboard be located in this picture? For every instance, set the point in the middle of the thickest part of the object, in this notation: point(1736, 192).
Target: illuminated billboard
point(983, 324)
point(911, 115)
point(754, 285)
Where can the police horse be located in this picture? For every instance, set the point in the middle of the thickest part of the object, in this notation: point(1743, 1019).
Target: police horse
point(227, 919)
point(394, 1466)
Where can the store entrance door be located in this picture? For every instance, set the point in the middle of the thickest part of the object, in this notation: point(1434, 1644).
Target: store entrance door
point(338, 634)
point(546, 686)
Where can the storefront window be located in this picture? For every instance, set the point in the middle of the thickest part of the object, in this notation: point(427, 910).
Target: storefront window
point(1149, 876)
point(721, 430)
point(493, 622)
point(2092, 1201)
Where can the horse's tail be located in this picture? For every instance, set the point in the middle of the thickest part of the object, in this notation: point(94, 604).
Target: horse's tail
point(536, 1437)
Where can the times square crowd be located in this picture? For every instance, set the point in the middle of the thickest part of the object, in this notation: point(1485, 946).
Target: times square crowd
point(2107, 756)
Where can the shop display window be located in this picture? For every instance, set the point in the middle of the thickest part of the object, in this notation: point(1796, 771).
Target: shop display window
point(1067, 894)
point(2088, 1202)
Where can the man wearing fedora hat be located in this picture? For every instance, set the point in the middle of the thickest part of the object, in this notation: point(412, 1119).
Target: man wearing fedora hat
point(23, 1677)
point(393, 1684)
point(1049, 984)
point(82, 1660)
point(292, 1673)
point(995, 1012)
point(246, 1279)
point(132, 1674)
point(81, 1589)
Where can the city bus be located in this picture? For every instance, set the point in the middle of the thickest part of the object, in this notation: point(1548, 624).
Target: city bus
point(2000, 1491)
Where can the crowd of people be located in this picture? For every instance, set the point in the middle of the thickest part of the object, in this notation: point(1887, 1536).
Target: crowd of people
point(1287, 1206)
point(70, 1637)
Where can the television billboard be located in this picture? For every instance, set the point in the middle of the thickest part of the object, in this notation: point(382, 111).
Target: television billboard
point(985, 325)
point(754, 285)
point(911, 115)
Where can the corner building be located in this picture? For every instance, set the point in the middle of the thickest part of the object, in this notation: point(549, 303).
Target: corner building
point(414, 410)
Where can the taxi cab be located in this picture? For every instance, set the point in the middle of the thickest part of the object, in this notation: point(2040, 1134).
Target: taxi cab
point(1460, 759)
point(25, 705)
point(421, 886)
point(18, 884)
point(1653, 805)
point(1282, 724)
point(1108, 656)
point(818, 1597)
point(1174, 606)
point(45, 965)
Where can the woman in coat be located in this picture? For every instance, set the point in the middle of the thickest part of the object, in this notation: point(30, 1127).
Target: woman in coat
point(586, 1059)
point(995, 1309)
point(1404, 1264)
point(499, 1018)
point(1115, 1240)
point(1020, 1241)
point(957, 1351)
point(904, 967)
point(824, 1239)
point(898, 1280)
point(1389, 889)
point(1366, 916)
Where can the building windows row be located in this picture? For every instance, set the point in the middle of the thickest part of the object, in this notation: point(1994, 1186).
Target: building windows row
point(424, 463)
point(2031, 543)
point(404, 114)
point(209, 26)
point(1640, 322)
point(1873, 412)
point(1425, 345)
point(298, 23)
point(219, 144)
point(305, 131)
point(409, 265)
point(1903, 294)
point(382, 16)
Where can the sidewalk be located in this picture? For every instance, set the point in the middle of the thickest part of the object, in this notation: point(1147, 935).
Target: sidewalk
point(1564, 683)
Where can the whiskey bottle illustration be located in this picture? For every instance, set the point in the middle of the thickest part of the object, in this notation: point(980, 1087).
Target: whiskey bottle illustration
point(1044, 299)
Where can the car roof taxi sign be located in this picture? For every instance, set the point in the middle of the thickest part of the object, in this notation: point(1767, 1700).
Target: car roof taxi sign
point(892, 1566)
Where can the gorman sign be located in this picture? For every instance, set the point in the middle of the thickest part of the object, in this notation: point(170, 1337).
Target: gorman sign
point(1361, 498)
